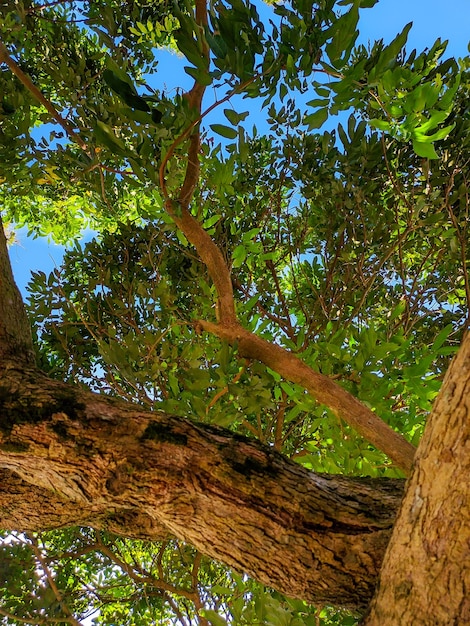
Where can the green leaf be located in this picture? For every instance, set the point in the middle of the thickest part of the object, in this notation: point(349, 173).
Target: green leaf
point(343, 137)
point(447, 98)
point(437, 117)
point(441, 338)
point(318, 102)
point(217, 45)
point(317, 119)
point(106, 136)
point(380, 124)
point(364, 4)
point(344, 35)
point(234, 117)
point(211, 221)
point(125, 91)
point(224, 131)
point(214, 618)
point(437, 136)
point(425, 150)
point(239, 256)
point(389, 54)
point(202, 76)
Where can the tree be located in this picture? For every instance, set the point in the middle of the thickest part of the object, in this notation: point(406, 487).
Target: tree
point(297, 293)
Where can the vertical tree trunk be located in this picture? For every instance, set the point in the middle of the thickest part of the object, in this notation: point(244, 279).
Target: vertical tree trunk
point(15, 330)
point(425, 578)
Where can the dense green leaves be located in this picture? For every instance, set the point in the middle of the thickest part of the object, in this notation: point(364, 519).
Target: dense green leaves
point(347, 246)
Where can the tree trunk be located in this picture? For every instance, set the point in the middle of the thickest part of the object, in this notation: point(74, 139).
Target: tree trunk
point(425, 578)
point(15, 331)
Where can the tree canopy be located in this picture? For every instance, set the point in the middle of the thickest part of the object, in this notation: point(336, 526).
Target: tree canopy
point(290, 296)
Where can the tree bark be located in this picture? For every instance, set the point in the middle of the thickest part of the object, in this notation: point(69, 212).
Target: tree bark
point(73, 457)
point(425, 578)
point(15, 331)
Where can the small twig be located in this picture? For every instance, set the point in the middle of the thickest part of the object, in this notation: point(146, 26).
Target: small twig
point(224, 391)
point(16, 618)
point(146, 579)
point(264, 312)
point(51, 581)
point(460, 233)
point(250, 428)
point(391, 175)
point(198, 604)
point(280, 417)
point(272, 268)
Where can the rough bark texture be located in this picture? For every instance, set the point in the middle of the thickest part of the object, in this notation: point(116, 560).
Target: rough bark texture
point(15, 330)
point(96, 461)
point(426, 573)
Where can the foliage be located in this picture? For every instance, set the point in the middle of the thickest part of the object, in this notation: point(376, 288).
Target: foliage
point(347, 247)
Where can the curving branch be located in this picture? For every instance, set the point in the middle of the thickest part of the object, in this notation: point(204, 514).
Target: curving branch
point(285, 363)
point(325, 390)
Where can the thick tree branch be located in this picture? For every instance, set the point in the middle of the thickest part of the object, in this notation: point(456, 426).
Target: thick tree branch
point(286, 364)
point(320, 538)
point(50, 511)
point(324, 390)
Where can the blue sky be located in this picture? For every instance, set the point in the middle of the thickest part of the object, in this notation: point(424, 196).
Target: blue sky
point(431, 19)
